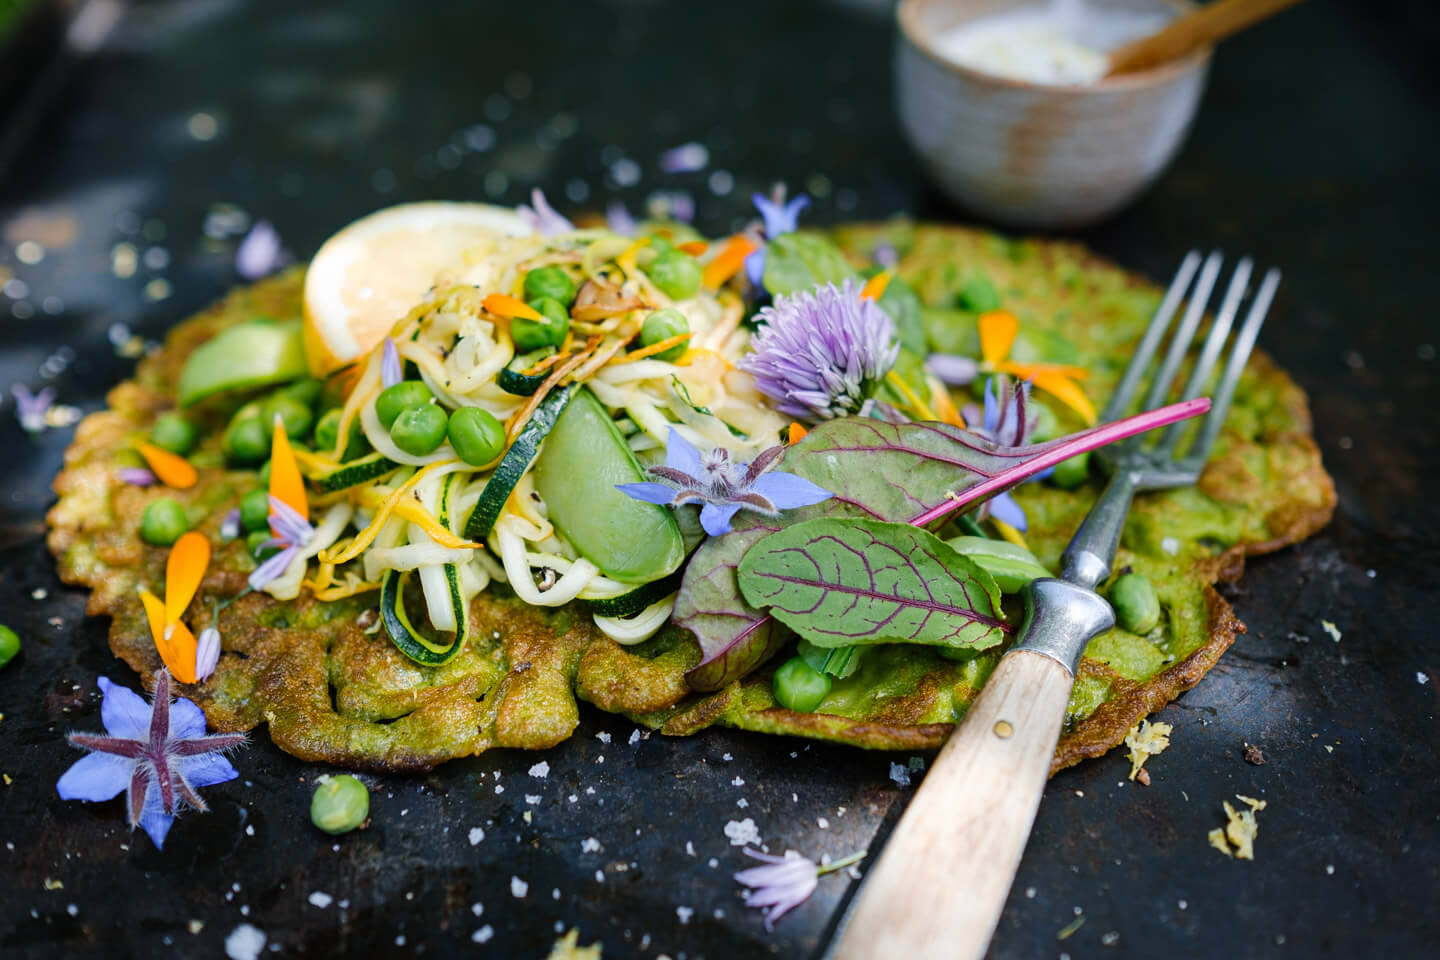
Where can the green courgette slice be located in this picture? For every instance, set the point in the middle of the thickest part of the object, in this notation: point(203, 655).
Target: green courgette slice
point(409, 641)
point(511, 380)
point(515, 462)
point(352, 473)
point(633, 603)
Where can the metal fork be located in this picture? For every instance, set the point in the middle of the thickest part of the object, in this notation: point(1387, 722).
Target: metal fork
point(942, 879)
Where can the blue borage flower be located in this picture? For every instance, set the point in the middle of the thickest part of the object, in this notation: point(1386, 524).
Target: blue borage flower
point(689, 157)
point(31, 408)
point(723, 486)
point(542, 217)
point(292, 533)
point(784, 882)
point(157, 754)
point(780, 218)
point(1008, 419)
point(822, 353)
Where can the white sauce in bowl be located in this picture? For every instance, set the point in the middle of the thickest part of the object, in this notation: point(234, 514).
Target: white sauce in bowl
point(1060, 44)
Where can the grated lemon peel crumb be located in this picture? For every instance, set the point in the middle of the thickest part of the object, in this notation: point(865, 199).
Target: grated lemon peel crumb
point(1240, 829)
point(568, 948)
point(1145, 740)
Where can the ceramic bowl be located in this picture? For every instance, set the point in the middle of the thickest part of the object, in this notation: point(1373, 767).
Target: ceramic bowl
point(1032, 155)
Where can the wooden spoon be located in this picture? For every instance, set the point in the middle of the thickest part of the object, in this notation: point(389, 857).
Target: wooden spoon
point(1202, 27)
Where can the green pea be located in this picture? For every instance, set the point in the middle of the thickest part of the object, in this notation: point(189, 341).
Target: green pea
point(549, 331)
point(265, 474)
point(1137, 609)
point(340, 804)
point(255, 510)
point(979, 294)
point(1071, 473)
point(307, 390)
point(296, 415)
point(476, 435)
point(9, 645)
point(677, 274)
point(394, 399)
point(419, 431)
point(799, 686)
point(253, 541)
point(174, 433)
point(662, 325)
point(661, 245)
point(549, 282)
point(327, 434)
point(246, 440)
point(163, 522)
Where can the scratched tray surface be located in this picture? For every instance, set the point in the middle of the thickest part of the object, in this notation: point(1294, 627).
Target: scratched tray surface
point(158, 154)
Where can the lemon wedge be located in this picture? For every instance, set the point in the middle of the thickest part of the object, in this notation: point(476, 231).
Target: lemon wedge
point(375, 270)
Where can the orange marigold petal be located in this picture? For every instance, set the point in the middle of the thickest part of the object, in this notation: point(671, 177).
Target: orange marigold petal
point(504, 305)
point(1068, 392)
point(728, 261)
point(694, 247)
point(184, 569)
point(286, 484)
point(172, 469)
point(874, 288)
point(1028, 371)
point(174, 642)
point(796, 433)
point(997, 335)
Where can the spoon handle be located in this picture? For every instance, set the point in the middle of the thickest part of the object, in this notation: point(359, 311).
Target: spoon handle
point(1202, 27)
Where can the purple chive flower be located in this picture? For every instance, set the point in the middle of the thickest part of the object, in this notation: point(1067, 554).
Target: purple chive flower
point(158, 754)
point(618, 219)
point(723, 486)
point(207, 653)
point(31, 408)
point(784, 882)
point(952, 368)
point(689, 157)
point(391, 372)
point(137, 477)
point(293, 532)
point(780, 218)
point(230, 524)
point(542, 217)
point(820, 354)
point(259, 253)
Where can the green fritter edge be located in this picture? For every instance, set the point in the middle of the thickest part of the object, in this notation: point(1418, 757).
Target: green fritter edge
point(332, 691)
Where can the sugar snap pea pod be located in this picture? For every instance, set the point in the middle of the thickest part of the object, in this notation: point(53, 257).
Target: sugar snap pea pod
point(1011, 566)
point(1137, 609)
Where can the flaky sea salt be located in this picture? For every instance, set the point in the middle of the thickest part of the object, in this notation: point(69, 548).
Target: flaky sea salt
point(742, 832)
point(245, 942)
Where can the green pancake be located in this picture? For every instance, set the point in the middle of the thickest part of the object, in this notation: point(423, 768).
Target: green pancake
point(331, 688)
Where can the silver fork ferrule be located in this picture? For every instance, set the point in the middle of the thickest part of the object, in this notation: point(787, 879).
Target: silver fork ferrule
point(1060, 620)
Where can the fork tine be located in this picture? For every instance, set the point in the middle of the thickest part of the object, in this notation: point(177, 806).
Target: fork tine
point(1214, 343)
point(1145, 350)
point(1225, 390)
point(1180, 344)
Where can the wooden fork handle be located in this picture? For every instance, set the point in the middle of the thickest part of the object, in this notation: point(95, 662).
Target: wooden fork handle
point(942, 880)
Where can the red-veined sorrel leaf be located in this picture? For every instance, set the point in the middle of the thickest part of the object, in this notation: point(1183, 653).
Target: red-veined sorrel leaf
point(912, 472)
point(839, 582)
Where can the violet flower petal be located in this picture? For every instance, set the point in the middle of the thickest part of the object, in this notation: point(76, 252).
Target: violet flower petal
point(207, 769)
point(953, 369)
point(289, 525)
point(207, 653)
point(657, 493)
point(230, 524)
point(687, 158)
point(95, 777)
point(137, 476)
point(259, 253)
point(391, 372)
point(618, 219)
point(715, 518)
point(123, 711)
point(755, 269)
point(1004, 508)
point(542, 217)
point(788, 491)
point(272, 568)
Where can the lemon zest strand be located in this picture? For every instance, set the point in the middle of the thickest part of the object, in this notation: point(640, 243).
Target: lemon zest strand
point(367, 536)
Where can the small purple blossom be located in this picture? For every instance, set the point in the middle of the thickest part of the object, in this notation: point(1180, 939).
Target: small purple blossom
point(952, 368)
point(780, 218)
point(230, 524)
point(542, 217)
point(391, 372)
point(618, 219)
point(292, 533)
point(207, 653)
point(784, 882)
point(689, 157)
point(821, 354)
point(887, 256)
point(259, 253)
point(137, 477)
point(31, 408)
point(723, 486)
point(157, 754)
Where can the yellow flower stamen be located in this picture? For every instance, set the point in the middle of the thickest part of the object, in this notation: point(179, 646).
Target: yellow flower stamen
point(911, 398)
point(173, 470)
point(1010, 533)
